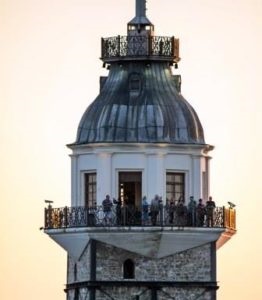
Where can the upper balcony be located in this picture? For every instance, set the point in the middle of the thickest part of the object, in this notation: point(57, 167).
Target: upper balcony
point(139, 47)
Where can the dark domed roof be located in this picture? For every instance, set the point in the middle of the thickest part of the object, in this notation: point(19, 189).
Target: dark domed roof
point(139, 103)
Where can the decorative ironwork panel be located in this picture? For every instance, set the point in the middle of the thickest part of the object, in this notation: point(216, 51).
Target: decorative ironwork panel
point(162, 46)
point(77, 217)
point(110, 47)
point(229, 218)
point(218, 217)
point(137, 46)
point(123, 46)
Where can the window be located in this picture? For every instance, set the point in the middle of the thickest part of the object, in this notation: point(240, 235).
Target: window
point(134, 85)
point(175, 186)
point(204, 185)
point(129, 269)
point(90, 189)
point(130, 27)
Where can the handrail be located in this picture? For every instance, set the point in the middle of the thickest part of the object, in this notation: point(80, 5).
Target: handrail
point(127, 215)
point(119, 47)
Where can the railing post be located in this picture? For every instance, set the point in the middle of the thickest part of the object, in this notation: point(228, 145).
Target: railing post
point(161, 215)
point(102, 48)
point(118, 45)
point(176, 49)
point(65, 216)
point(161, 43)
point(46, 218)
point(235, 225)
point(86, 214)
point(49, 221)
point(124, 215)
point(224, 216)
point(153, 294)
point(148, 45)
point(173, 46)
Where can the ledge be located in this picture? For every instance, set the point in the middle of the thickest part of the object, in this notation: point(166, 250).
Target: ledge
point(212, 285)
point(154, 242)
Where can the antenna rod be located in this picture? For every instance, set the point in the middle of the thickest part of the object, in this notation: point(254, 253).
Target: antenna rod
point(140, 8)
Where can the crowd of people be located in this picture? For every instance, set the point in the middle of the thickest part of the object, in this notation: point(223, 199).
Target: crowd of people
point(194, 214)
point(174, 212)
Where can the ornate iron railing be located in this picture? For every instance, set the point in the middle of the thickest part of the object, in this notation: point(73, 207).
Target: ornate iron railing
point(229, 218)
point(68, 217)
point(165, 48)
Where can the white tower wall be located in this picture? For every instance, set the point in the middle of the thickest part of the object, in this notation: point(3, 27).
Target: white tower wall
point(152, 161)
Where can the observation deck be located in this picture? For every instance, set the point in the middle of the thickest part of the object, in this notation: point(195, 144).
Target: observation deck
point(139, 47)
point(128, 228)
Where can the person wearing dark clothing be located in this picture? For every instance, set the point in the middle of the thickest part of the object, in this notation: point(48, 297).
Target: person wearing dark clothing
point(171, 211)
point(192, 212)
point(144, 210)
point(107, 209)
point(118, 210)
point(200, 213)
point(181, 213)
point(210, 207)
point(161, 211)
point(154, 210)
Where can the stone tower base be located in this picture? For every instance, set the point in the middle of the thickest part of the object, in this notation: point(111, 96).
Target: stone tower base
point(104, 272)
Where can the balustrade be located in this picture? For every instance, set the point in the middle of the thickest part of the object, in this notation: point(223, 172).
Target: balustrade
point(140, 46)
point(68, 217)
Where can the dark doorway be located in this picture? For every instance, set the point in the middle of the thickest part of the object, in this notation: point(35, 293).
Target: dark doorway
point(130, 188)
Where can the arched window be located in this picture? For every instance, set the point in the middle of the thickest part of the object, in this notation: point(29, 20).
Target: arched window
point(129, 269)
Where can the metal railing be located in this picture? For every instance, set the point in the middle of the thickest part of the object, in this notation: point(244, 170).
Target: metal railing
point(135, 46)
point(229, 218)
point(69, 217)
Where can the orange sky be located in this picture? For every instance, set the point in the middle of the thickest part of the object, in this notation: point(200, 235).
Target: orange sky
point(49, 73)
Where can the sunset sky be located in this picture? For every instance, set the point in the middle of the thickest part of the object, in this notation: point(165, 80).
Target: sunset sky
point(49, 74)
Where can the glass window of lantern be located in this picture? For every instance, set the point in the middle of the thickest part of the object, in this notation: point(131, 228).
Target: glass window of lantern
point(175, 186)
point(90, 189)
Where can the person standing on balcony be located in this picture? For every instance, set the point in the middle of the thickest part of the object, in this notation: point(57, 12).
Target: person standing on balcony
point(210, 207)
point(118, 210)
point(181, 213)
point(171, 210)
point(154, 210)
point(107, 209)
point(144, 210)
point(191, 211)
point(200, 213)
point(161, 209)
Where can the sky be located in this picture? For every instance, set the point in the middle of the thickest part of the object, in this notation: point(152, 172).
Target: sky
point(49, 74)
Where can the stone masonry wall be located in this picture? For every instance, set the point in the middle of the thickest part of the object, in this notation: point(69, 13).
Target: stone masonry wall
point(145, 294)
point(190, 265)
point(79, 270)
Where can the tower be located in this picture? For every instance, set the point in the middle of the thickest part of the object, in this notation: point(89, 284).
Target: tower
point(138, 138)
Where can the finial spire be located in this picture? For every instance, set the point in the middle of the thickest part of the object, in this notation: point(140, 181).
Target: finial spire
point(140, 18)
point(140, 8)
